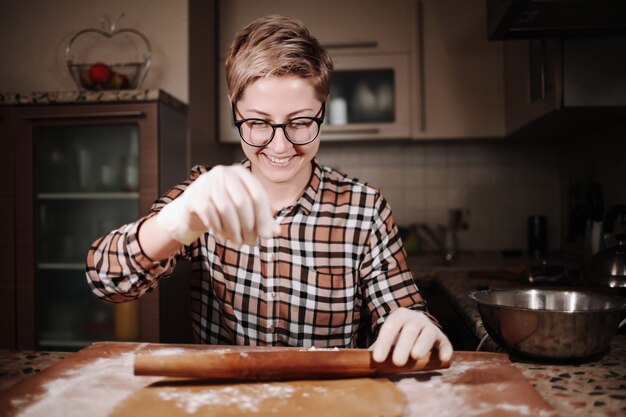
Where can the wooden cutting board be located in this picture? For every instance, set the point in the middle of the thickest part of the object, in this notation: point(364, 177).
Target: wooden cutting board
point(99, 381)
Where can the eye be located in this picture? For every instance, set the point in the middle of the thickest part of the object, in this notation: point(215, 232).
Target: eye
point(256, 124)
point(300, 123)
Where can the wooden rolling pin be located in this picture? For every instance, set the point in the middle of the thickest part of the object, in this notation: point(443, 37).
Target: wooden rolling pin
point(281, 364)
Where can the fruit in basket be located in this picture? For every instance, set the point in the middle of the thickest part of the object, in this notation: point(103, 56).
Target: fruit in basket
point(118, 81)
point(85, 80)
point(100, 74)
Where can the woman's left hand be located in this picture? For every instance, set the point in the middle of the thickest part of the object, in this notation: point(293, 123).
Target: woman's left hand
point(413, 334)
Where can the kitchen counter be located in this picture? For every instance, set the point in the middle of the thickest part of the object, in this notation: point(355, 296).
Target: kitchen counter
point(17, 365)
point(99, 381)
point(593, 389)
point(82, 97)
point(428, 263)
point(587, 389)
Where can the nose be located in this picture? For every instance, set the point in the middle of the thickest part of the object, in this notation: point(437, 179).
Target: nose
point(280, 143)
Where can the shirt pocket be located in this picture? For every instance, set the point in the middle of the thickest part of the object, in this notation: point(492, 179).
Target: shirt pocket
point(331, 300)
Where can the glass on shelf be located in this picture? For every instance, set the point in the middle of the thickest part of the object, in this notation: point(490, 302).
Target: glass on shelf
point(86, 159)
point(66, 228)
point(361, 96)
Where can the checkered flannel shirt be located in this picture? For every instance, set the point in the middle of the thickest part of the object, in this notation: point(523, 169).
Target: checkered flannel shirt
point(329, 279)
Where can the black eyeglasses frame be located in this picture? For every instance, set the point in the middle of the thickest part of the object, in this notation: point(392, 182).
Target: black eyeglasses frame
point(283, 126)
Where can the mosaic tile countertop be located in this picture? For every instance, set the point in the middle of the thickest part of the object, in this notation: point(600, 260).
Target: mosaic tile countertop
point(82, 97)
point(595, 388)
point(16, 365)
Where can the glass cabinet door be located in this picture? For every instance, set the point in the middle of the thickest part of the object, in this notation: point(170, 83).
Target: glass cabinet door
point(86, 184)
point(361, 96)
point(369, 98)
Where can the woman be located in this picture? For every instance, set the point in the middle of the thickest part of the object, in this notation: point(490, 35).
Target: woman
point(284, 250)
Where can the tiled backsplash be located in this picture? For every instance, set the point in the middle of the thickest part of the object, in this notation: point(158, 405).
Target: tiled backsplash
point(498, 183)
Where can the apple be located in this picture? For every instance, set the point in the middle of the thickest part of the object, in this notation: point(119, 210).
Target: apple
point(100, 73)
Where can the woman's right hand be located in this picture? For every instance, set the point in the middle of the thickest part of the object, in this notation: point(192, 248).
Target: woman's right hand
point(228, 200)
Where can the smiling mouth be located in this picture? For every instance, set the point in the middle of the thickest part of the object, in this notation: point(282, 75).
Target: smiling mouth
point(278, 161)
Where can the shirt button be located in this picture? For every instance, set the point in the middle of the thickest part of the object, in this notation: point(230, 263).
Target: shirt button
point(271, 329)
point(273, 294)
point(272, 257)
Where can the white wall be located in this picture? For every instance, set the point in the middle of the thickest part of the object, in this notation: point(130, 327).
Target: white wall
point(35, 33)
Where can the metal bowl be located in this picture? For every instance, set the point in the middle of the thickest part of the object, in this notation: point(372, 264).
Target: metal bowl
point(550, 324)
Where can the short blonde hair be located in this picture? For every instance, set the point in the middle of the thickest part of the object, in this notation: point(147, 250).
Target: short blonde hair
point(273, 46)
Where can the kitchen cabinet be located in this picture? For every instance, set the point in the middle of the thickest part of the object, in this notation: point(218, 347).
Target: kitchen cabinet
point(462, 88)
point(445, 82)
point(82, 170)
point(347, 27)
point(369, 42)
point(560, 87)
point(532, 69)
point(7, 230)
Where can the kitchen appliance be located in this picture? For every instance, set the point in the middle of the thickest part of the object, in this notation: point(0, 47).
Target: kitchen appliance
point(520, 19)
point(607, 268)
point(550, 324)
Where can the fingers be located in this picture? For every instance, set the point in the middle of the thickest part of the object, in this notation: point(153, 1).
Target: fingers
point(387, 336)
point(406, 341)
point(445, 349)
point(264, 224)
point(413, 335)
point(424, 343)
point(232, 203)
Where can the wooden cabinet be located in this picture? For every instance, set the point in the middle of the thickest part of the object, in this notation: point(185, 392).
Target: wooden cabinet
point(560, 87)
point(532, 79)
point(82, 170)
point(462, 88)
point(371, 45)
point(448, 80)
point(355, 27)
point(7, 229)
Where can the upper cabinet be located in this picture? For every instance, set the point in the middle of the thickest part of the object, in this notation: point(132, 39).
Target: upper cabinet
point(462, 88)
point(532, 69)
point(343, 27)
point(420, 69)
point(558, 86)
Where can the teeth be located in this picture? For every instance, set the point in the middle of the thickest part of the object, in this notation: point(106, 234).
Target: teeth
point(278, 160)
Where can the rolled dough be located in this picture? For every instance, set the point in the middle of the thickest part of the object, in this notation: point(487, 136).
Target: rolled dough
point(361, 397)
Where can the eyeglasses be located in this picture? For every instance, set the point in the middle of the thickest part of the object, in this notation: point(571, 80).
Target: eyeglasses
point(260, 132)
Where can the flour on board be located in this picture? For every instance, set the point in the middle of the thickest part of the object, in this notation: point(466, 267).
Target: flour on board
point(82, 387)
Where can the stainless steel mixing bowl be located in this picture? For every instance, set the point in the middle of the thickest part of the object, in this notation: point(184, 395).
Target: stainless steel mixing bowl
point(550, 324)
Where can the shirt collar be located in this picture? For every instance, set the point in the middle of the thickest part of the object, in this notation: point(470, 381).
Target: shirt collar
point(310, 194)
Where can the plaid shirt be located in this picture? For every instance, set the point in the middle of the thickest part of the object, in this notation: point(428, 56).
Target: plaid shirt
point(329, 279)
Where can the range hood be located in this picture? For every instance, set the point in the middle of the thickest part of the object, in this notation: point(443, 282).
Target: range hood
point(525, 19)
